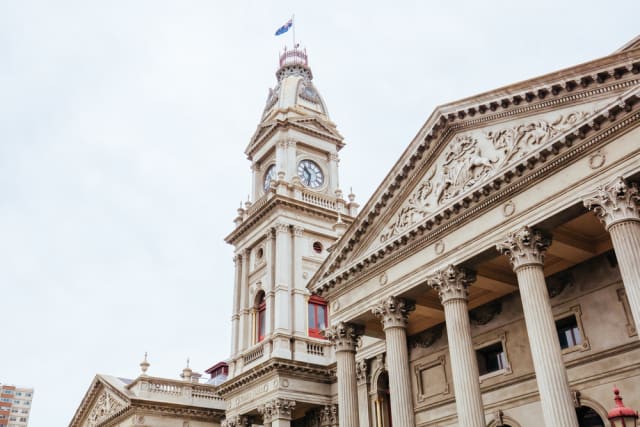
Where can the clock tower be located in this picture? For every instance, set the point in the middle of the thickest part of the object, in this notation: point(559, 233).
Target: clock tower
point(279, 366)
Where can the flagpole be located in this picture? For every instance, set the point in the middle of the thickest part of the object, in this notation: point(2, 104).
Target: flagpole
point(293, 24)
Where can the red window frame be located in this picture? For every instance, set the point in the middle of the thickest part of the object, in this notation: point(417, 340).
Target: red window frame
point(317, 316)
point(262, 318)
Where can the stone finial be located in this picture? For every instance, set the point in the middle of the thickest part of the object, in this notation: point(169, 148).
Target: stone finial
point(344, 336)
point(277, 409)
point(187, 372)
point(452, 283)
point(144, 365)
point(614, 202)
point(525, 247)
point(340, 226)
point(394, 312)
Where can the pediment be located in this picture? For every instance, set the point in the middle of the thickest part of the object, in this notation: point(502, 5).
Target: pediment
point(101, 403)
point(316, 125)
point(467, 162)
point(467, 147)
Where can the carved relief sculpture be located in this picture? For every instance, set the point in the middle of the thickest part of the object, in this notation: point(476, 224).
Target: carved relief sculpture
point(468, 161)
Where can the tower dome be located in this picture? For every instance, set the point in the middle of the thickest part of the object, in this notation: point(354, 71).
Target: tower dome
point(294, 93)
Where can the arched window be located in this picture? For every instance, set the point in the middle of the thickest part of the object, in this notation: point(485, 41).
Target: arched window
point(587, 417)
point(261, 318)
point(317, 316)
point(383, 402)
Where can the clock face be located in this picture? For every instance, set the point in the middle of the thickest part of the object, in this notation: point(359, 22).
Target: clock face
point(268, 177)
point(310, 174)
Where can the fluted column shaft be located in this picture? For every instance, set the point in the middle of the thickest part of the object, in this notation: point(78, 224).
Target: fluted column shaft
point(625, 236)
point(526, 249)
point(347, 388)
point(452, 284)
point(345, 338)
point(616, 206)
point(394, 313)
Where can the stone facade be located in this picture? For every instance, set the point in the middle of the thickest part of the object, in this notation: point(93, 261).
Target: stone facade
point(493, 279)
point(498, 263)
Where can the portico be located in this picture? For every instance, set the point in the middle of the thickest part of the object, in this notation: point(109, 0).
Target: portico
point(482, 210)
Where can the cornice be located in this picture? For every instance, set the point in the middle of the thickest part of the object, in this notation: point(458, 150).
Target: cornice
point(283, 201)
point(617, 118)
point(562, 87)
point(276, 365)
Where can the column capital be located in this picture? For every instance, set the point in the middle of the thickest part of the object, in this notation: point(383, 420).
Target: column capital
point(614, 202)
point(237, 421)
point(452, 283)
point(329, 416)
point(525, 246)
point(270, 234)
point(362, 371)
point(344, 336)
point(297, 230)
point(277, 409)
point(394, 312)
point(281, 227)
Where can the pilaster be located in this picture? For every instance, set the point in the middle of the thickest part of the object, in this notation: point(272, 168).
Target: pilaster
point(362, 379)
point(452, 285)
point(394, 314)
point(616, 206)
point(298, 295)
point(526, 248)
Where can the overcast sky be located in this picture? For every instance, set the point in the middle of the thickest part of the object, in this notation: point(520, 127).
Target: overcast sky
point(122, 130)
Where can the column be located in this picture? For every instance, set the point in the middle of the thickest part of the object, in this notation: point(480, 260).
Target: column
point(282, 306)
point(277, 412)
point(281, 158)
point(616, 206)
point(245, 313)
point(362, 380)
point(268, 281)
point(298, 294)
point(394, 314)
point(526, 249)
point(235, 318)
point(333, 172)
point(292, 166)
point(345, 338)
point(452, 285)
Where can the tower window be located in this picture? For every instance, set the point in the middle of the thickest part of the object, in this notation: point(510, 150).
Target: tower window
point(491, 358)
point(568, 332)
point(317, 316)
point(261, 318)
point(317, 247)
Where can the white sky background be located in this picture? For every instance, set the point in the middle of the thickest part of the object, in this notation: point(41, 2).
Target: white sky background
point(122, 130)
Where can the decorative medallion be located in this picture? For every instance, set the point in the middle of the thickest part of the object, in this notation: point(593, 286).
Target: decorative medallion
point(439, 247)
point(597, 159)
point(508, 208)
point(383, 279)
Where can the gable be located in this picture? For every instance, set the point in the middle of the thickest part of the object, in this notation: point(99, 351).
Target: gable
point(105, 406)
point(468, 161)
point(102, 402)
point(468, 148)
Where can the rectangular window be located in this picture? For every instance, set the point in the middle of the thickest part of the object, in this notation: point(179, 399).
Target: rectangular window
point(568, 332)
point(317, 316)
point(491, 358)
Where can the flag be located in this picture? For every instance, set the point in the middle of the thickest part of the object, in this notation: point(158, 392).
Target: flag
point(285, 27)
